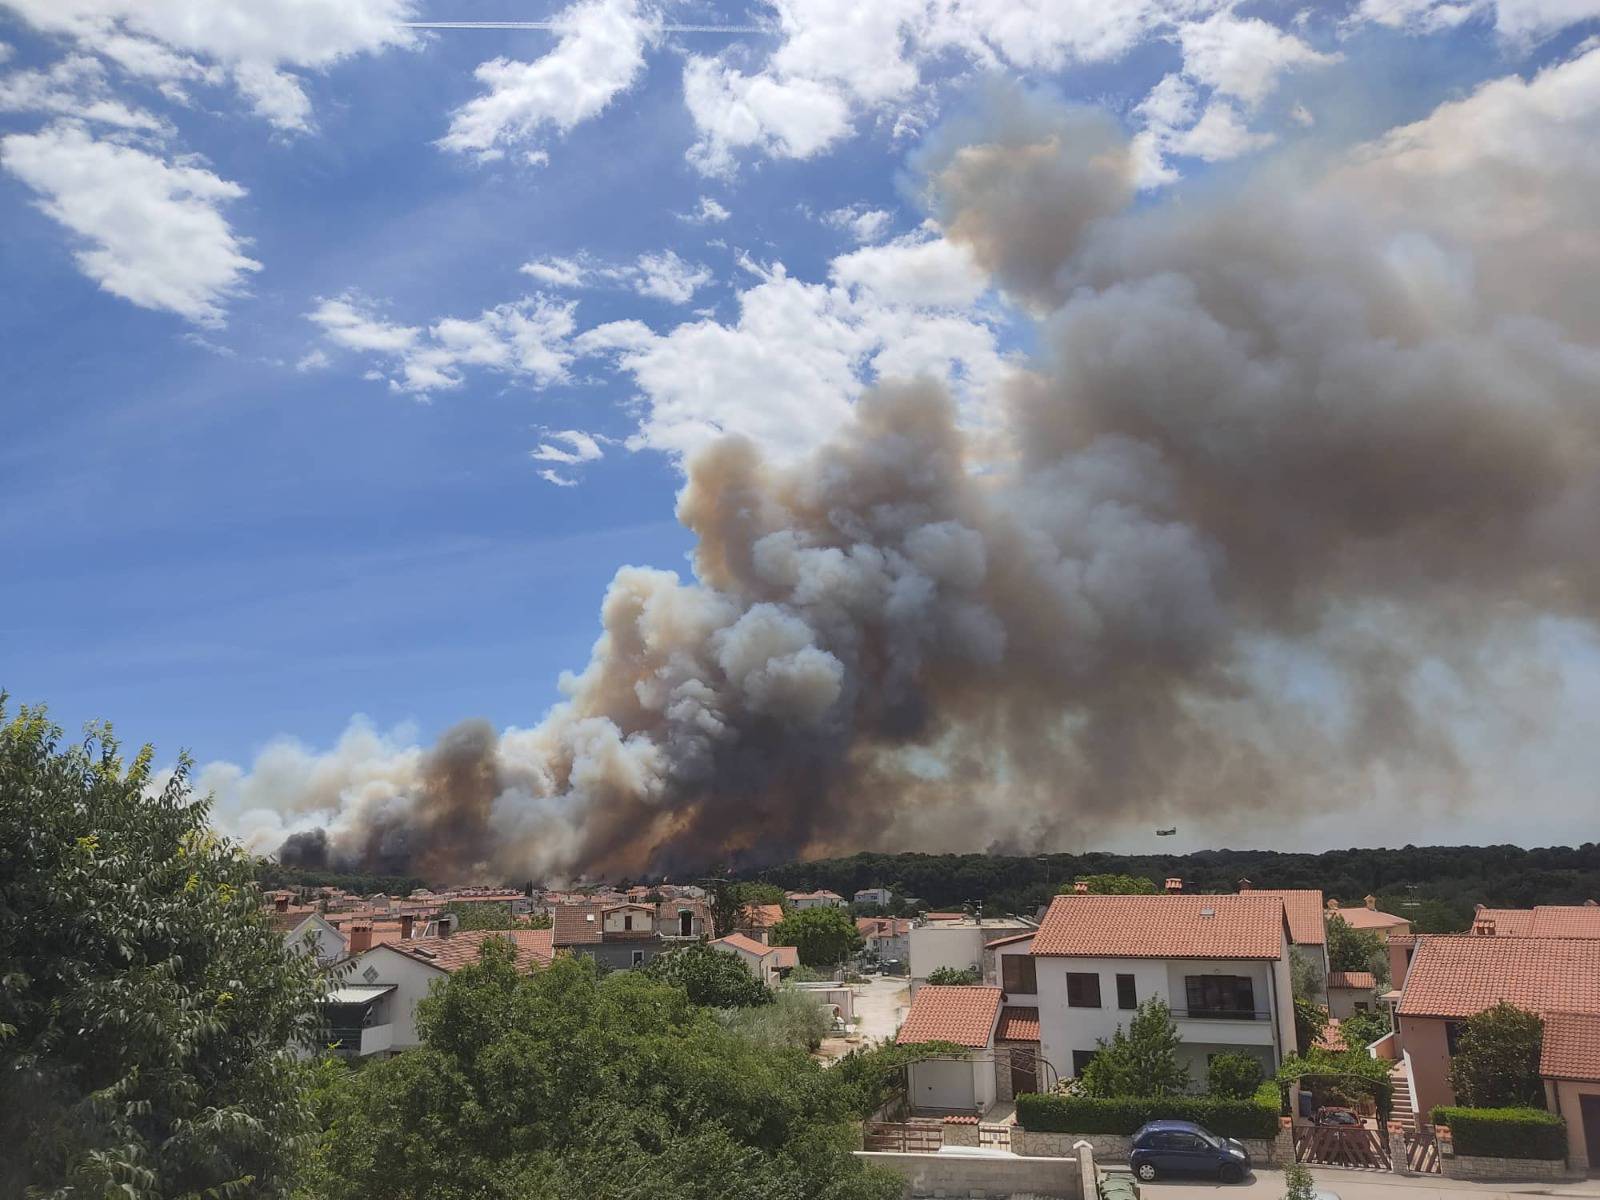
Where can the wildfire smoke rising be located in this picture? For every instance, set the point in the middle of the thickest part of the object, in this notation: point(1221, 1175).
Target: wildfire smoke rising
point(1346, 419)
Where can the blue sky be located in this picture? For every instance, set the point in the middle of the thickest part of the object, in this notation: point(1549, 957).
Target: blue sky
point(249, 502)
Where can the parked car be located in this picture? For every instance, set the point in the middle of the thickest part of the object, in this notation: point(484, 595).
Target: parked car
point(1184, 1148)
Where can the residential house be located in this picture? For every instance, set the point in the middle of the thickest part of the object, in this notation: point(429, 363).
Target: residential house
point(1008, 963)
point(314, 935)
point(374, 1008)
point(955, 941)
point(683, 917)
point(1350, 992)
point(880, 896)
point(966, 1016)
point(756, 920)
point(1452, 977)
point(1541, 921)
point(819, 899)
point(888, 939)
point(629, 933)
point(769, 964)
point(1308, 930)
point(1370, 919)
point(1220, 963)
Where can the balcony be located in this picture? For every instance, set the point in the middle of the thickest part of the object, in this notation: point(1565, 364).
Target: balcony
point(1238, 1027)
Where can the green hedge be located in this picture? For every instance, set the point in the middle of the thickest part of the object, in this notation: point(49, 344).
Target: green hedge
point(1124, 1114)
point(1504, 1132)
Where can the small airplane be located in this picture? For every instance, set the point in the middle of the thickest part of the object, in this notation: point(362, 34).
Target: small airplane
point(1166, 832)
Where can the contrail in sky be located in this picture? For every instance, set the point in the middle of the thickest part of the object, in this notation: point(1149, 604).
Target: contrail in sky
point(555, 25)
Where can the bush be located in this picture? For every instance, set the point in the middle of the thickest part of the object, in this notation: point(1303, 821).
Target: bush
point(1233, 1076)
point(1496, 1063)
point(1124, 1114)
point(955, 976)
point(1504, 1132)
point(1298, 1184)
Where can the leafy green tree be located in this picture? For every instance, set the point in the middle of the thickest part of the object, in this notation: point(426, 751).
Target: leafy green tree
point(1340, 1076)
point(726, 898)
point(472, 914)
point(1355, 949)
point(1235, 1076)
point(868, 1078)
point(711, 977)
point(822, 936)
point(955, 976)
point(1310, 1019)
point(1298, 1183)
point(148, 1012)
point(1496, 1064)
point(536, 921)
point(1363, 1028)
point(1306, 979)
point(563, 1083)
point(795, 1020)
point(1111, 885)
point(1141, 1060)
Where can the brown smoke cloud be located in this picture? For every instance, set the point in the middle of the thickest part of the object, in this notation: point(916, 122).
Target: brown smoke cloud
point(1283, 447)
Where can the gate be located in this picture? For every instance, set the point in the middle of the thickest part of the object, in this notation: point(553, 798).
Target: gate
point(998, 1136)
point(1422, 1150)
point(905, 1137)
point(1341, 1146)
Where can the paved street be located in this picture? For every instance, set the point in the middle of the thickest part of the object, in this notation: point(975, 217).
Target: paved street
point(881, 1005)
point(1364, 1185)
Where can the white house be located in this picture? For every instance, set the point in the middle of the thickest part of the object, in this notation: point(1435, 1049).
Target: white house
point(374, 1010)
point(956, 943)
point(315, 936)
point(820, 899)
point(952, 1084)
point(1221, 964)
point(874, 895)
point(764, 962)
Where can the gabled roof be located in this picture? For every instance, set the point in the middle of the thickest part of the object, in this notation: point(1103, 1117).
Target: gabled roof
point(1304, 909)
point(1009, 941)
point(1363, 981)
point(760, 916)
point(788, 957)
point(1018, 1024)
point(738, 941)
point(1250, 925)
point(1541, 921)
point(951, 1013)
point(576, 924)
point(1571, 1047)
point(1457, 975)
point(533, 947)
point(1368, 918)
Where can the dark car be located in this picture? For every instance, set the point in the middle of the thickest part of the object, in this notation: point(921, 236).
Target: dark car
point(1184, 1148)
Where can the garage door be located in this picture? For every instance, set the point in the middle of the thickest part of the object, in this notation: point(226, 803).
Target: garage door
point(942, 1084)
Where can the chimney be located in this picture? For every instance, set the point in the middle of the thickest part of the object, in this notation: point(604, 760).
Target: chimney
point(1174, 885)
point(407, 921)
point(1370, 901)
point(1244, 885)
point(281, 902)
point(1591, 903)
point(360, 936)
point(1080, 888)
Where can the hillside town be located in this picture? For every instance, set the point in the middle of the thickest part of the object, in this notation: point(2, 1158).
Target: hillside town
point(1343, 1024)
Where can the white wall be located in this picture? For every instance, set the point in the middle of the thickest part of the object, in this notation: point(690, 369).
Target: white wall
point(935, 946)
point(944, 1083)
point(412, 980)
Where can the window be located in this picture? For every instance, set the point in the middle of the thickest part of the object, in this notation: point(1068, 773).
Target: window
point(1127, 994)
point(638, 958)
point(1220, 996)
point(1018, 973)
point(1452, 1035)
point(627, 920)
point(1080, 1060)
point(1083, 989)
point(1363, 1006)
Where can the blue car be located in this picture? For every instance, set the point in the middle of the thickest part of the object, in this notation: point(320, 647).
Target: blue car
point(1184, 1148)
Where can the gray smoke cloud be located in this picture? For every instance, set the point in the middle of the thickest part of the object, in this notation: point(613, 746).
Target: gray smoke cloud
point(1285, 447)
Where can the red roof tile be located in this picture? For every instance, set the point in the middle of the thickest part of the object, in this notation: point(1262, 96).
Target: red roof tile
point(945, 916)
point(1250, 925)
point(533, 947)
point(788, 956)
point(576, 924)
point(950, 1013)
point(1304, 909)
point(1018, 1024)
point(1541, 921)
point(1332, 1037)
point(1457, 975)
point(1368, 918)
point(738, 941)
point(1008, 941)
point(1363, 981)
point(1571, 1047)
point(760, 916)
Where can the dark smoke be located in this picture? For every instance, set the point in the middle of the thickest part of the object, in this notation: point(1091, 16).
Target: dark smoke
point(1285, 433)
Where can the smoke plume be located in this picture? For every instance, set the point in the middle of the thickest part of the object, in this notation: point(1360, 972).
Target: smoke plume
point(1282, 447)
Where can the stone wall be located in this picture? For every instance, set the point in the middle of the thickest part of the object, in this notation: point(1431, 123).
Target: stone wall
point(981, 1176)
point(1115, 1147)
point(1473, 1166)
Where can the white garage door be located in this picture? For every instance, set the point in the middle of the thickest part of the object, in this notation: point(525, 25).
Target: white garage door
point(942, 1084)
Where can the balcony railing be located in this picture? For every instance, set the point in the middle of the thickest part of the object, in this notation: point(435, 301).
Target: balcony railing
point(1221, 1014)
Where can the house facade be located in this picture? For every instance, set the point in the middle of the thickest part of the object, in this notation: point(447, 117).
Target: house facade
point(817, 899)
point(629, 933)
point(960, 1084)
point(874, 895)
point(955, 941)
point(768, 964)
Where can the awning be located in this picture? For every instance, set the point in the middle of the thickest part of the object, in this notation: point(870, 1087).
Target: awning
point(357, 993)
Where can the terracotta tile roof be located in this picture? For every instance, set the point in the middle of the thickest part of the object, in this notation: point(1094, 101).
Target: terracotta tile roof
point(533, 946)
point(1571, 1046)
point(824, 894)
point(949, 1013)
point(1018, 1024)
point(1008, 941)
point(1457, 975)
point(1251, 925)
point(576, 924)
point(738, 941)
point(760, 916)
point(1332, 1037)
point(945, 916)
point(788, 957)
point(1304, 908)
point(1363, 981)
point(1541, 921)
point(1368, 918)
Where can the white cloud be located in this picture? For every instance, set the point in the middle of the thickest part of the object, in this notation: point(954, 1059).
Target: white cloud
point(580, 447)
point(1526, 21)
point(667, 277)
point(1242, 57)
point(784, 118)
point(526, 339)
point(313, 360)
point(1220, 134)
point(865, 224)
point(600, 54)
point(914, 271)
point(155, 231)
point(172, 40)
point(555, 477)
point(6, 52)
point(73, 87)
point(556, 272)
point(707, 212)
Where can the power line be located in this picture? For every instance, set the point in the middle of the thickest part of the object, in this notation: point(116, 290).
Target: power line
point(555, 25)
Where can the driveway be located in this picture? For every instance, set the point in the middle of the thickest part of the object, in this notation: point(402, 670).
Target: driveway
point(1268, 1184)
point(881, 1005)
